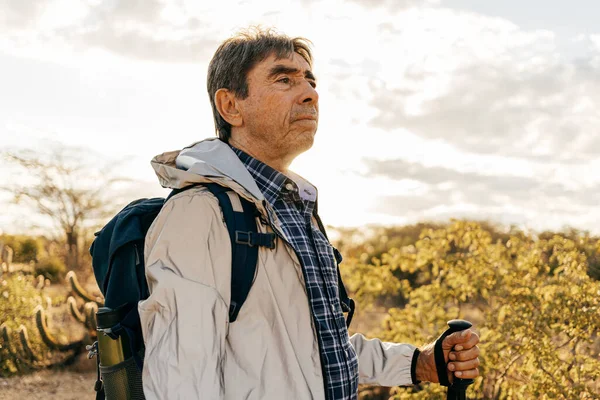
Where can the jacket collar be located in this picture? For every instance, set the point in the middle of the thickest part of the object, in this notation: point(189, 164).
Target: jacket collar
point(210, 160)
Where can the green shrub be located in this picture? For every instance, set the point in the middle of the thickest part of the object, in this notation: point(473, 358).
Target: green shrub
point(28, 250)
point(533, 301)
point(25, 248)
point(52, 268)
point(18, 298)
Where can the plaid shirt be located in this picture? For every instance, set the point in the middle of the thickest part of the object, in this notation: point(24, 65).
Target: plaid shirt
point(294, 201)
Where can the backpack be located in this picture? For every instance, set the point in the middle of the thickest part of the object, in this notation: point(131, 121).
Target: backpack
point(118, 262)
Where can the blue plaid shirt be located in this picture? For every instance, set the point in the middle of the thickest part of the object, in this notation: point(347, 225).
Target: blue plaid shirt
point(338, 358)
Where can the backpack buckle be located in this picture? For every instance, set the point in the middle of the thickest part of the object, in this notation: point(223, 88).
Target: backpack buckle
point(244, 238)
point(255, 239)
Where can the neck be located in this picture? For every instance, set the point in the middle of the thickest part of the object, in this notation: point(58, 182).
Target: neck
point(263, 154)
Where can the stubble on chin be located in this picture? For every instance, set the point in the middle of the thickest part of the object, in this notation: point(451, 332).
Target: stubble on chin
point(304, 141)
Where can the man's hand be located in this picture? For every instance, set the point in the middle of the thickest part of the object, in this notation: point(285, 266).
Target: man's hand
point(464, 359)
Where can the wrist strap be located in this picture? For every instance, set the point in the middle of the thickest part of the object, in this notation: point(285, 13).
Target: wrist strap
point(440, 361)
point(413, 367)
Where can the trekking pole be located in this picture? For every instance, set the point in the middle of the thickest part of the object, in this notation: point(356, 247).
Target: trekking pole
point(458, 389)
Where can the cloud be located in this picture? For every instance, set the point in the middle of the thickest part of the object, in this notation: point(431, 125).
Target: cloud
point(148, 30)
point(480, 84)
point(403, 205)
point(15, 14)
point(506, 109)
point(450, 193)
point(400, 169)
point(472, 183)
point(595, 39)
point(391, 5)
point(476, 117)
point(136, 44)
point(490, 88)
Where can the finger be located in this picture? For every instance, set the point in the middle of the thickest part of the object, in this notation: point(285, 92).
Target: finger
point(470, 374)
point(464, 365)
point(472, 341)
point(456, 338)
point(464, 355)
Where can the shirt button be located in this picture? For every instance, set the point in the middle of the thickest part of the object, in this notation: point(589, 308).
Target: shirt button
point(290, 186)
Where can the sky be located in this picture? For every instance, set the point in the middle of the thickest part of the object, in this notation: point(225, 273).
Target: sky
point(429, 109)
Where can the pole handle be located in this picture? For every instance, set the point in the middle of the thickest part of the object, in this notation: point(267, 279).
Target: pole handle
point(457, 325)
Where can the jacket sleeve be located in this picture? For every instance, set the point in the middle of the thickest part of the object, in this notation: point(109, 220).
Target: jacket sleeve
point(185, 318)
point(383, 363)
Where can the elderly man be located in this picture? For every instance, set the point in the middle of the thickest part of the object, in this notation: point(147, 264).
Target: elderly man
point(290, 340)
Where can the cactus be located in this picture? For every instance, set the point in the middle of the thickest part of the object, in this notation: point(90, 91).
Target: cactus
point(22, 352)
point(40, 282)
point(80, 291)
point(90, 310)
point(47, 338)
point(25, 345)
point(5, 334)
point(6, 255)
point(74, 310)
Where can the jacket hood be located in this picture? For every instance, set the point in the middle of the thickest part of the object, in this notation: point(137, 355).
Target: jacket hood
point(210, 160)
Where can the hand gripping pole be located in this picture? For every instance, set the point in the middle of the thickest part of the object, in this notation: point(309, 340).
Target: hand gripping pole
point(457, 390)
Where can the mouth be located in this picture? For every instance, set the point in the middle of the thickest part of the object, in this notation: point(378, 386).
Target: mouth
point(306, 118)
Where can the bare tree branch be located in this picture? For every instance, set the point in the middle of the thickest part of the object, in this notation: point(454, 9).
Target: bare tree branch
point(60, 184)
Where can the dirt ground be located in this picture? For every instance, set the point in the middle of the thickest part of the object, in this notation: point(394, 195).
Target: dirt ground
point(50, 385)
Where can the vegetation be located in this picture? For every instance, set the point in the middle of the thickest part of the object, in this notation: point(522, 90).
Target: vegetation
point(68, 191)
point(30, 310)
point(18, 298)
point(52, 268)
point(25, 248)
point(534, 299)
point(535, 302)
point(39, 255)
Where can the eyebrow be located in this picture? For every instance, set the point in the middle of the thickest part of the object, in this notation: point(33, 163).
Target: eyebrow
point(283, 69)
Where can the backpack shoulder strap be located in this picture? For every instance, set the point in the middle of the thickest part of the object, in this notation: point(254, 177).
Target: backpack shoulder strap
point(347, 303)
point(240, 219)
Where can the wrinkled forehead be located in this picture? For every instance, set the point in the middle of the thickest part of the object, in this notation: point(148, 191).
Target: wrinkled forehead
point(294, 57)
point(291, 61)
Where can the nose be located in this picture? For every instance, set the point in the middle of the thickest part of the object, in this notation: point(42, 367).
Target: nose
point(309, 94)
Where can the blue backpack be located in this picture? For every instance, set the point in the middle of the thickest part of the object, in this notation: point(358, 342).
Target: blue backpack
point(118, 262)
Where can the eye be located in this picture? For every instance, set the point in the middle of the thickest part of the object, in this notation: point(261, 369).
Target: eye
point(313, 84)
point(285, 80)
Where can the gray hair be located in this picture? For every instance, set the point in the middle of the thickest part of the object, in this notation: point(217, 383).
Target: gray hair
point(236, 56)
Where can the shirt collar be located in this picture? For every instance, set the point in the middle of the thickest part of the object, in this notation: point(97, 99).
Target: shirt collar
point(273, 183)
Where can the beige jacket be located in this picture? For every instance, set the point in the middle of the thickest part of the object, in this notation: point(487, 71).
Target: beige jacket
point(271, 351)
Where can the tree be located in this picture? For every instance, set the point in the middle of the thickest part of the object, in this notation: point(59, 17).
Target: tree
point(66, 185)
point(533, 301)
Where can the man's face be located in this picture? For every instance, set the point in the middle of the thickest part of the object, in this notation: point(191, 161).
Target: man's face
point(281, 111)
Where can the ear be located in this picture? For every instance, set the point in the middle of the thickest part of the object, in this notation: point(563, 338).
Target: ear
point(227, 106)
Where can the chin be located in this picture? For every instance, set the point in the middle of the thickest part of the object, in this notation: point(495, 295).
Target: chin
point(300, 145)
point(306, 140)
